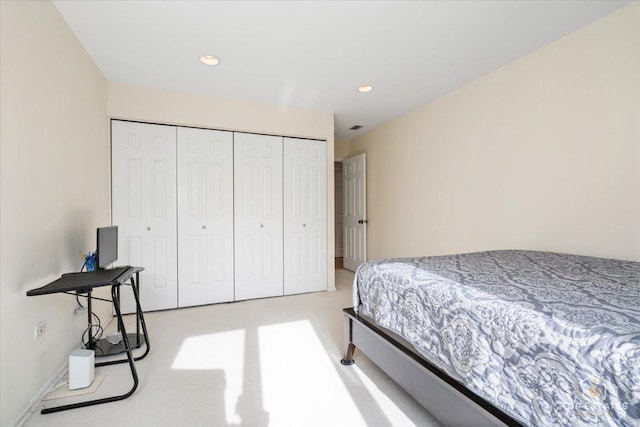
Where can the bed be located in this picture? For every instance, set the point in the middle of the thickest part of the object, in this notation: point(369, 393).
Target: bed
point(505, 337)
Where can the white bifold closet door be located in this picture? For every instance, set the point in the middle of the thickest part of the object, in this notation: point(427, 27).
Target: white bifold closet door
point(305, 216)
point(205, 216)
point(144, 209)
point(258, 216)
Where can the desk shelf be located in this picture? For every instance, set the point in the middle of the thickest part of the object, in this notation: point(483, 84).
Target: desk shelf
point(104, 348)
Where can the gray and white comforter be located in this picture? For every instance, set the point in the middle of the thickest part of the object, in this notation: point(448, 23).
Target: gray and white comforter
point(551, 339)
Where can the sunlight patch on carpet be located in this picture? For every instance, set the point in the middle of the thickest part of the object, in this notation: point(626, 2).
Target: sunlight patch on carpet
point(219, 351)
point(299, 381)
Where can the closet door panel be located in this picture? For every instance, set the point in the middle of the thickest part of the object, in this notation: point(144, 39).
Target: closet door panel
point(205, 216)
point(143, 203)
point(305, 218)
point(258, 216)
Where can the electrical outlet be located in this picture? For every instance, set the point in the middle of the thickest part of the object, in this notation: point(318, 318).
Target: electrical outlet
point(40, 329)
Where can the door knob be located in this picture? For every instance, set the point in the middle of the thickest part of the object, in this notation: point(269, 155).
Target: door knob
point(204, 226)
point(363, 221)
point(304, 225)
point(261, 225)
point(148, 228)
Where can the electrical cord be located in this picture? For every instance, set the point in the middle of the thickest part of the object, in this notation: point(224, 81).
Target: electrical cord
point(100, 328)
point(89, 332)
point(95, 336)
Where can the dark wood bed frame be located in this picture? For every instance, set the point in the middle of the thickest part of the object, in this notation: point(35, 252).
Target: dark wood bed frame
point(445, 398)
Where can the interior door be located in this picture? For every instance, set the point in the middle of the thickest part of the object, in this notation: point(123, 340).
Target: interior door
point(258, 216)
point(205, 216)
point(355, 211)
point(144, 209)
point(305, 216)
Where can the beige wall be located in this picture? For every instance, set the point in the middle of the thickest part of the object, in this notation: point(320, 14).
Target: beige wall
point(167, 107)
point(543, 153)
point(341, 150)
point(55, 190)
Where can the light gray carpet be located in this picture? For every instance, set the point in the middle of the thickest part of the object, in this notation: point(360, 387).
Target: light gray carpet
point(269, 362)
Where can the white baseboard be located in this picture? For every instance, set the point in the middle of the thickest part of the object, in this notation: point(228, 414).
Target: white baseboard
point(35, 401)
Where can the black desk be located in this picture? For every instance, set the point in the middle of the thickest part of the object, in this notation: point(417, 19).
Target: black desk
point(84, 283)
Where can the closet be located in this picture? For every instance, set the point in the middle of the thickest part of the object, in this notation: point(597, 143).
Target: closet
point(218, 216)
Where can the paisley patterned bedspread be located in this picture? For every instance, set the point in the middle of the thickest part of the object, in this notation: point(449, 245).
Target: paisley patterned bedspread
point(551, 339)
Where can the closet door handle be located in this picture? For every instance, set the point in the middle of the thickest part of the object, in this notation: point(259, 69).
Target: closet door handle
point(148, 228)
point(204, 227)
point(304, 225)
point(261, 225)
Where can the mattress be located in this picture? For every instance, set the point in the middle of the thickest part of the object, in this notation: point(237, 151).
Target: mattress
point(550, 339)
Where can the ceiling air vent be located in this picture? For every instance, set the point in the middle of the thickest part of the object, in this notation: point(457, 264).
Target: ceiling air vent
point(356, 127)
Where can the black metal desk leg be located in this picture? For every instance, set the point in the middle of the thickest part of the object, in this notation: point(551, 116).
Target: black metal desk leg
point(120, 322)
point(140, 316)
point(115, 294)
point(134, 373)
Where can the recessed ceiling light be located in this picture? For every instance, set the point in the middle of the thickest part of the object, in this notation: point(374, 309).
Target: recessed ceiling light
point(209, 60)
point(365, 88)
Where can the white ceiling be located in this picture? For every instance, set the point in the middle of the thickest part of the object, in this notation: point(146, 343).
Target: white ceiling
point(314, 54)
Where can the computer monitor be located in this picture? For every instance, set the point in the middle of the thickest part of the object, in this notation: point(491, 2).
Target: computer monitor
point(107, 251)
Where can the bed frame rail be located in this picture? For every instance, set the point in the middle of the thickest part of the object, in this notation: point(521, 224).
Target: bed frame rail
point(448, 401)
